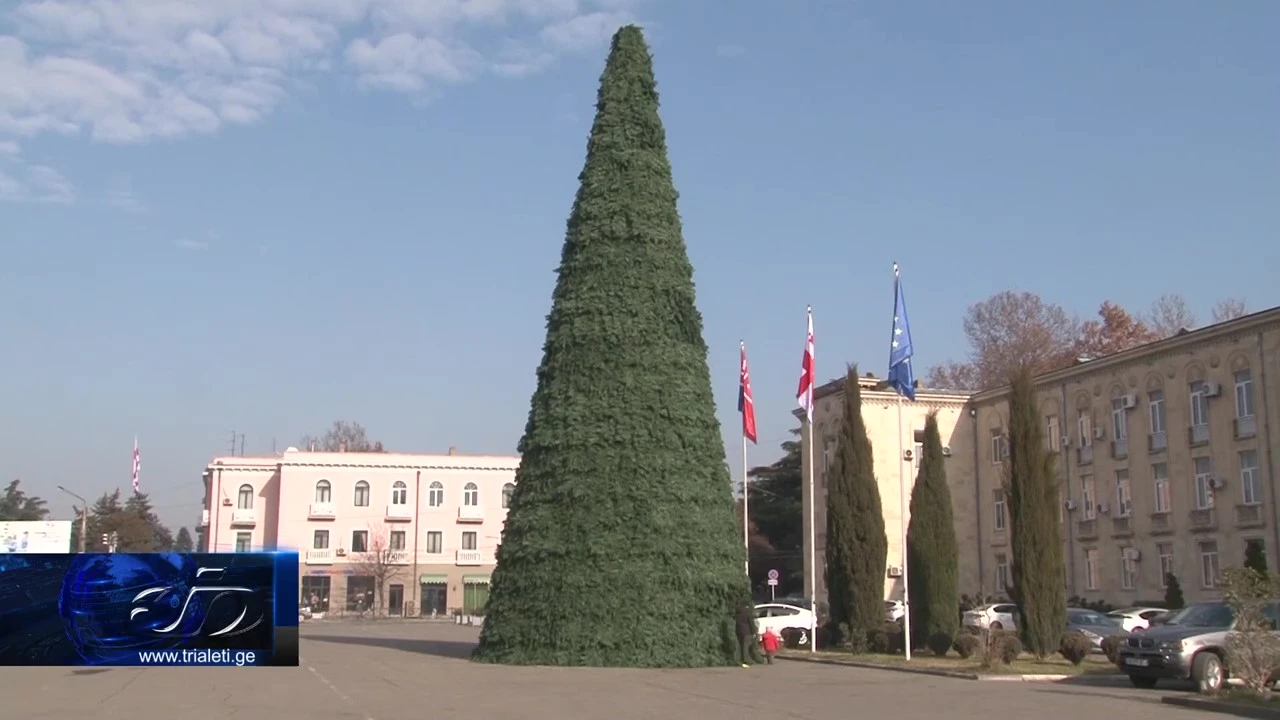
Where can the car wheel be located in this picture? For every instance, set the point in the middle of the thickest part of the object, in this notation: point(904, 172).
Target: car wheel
point(1145, 683)
point(997, 625)
point(1208, 673)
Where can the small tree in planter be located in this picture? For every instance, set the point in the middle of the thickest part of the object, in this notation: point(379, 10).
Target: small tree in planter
point(1253, 649)
point(1173, 599)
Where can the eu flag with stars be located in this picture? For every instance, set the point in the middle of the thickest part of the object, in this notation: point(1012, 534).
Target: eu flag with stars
point(901, 377)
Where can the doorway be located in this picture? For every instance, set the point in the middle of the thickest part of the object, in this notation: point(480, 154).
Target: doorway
point(395, 600)
point(435, 597)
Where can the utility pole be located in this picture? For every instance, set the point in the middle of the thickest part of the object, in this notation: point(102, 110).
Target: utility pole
point(241, 444)
point(84, 516)
point(234, 435)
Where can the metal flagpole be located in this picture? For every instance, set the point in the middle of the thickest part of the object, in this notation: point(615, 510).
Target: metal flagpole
point(746, 517)
point(902, 514)
point(813, 546)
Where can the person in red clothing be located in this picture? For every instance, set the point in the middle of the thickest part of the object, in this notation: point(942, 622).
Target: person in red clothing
point(770, 642)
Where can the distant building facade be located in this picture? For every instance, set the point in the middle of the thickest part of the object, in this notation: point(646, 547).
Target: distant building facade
point(428, 526)
point(1165, 457)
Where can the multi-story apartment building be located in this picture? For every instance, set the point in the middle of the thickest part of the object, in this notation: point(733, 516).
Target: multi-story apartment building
point(1165, 463)
point(426, 526)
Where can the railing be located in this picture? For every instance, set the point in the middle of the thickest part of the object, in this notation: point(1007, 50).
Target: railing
point(399, 512)
point(321, 510)
point(1087, 529)
point(1246, 427)
point(243, 517)
point(1120, 526)
point(1158, 441)
point(469, 557)
point(1198, 434)
point(320, 557)
point(398, 557)
point(1160, 522)
point(1120, 448)
point(1084, 454)
point(1249, 515)
point(470, 514)
point(1203, 519)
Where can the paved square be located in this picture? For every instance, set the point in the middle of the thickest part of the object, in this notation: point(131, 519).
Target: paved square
point(407, 670)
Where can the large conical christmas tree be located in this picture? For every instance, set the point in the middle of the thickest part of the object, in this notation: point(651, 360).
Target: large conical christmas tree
point(621, 546)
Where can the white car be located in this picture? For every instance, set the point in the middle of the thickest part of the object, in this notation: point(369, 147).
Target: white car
point(894, 611)
point(1135, 619)
point(997, 616)
point(781, 617)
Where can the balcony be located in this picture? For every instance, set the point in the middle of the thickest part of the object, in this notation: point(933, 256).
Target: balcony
point(1203, 520)
point(1198, 434)
point(1120, 448)
point(1246, 427)
point(470, 514)
point(1084, 454)
point(1249, 516)
point(469, 557)
point(320, 557)
point(1121, 527)
point(321, 511)
point(398, 557)
point(243, 518)
point(1158, 441)
point(1160, 524)
point(204, 518)
point(399, 513)
point(1087, 529)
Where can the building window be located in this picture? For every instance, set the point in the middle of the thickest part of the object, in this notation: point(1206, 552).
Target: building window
point(999, 447)
point(360, 592)
point(1053, 434)
point(1160, 482)
point(1209, 564)
point(470, 495)
point(324, 492)
point(1249, 483)
point(1002, 574)
point(1244, 393)
point(359, 541)
point(1000, 518)
point(320, 540)
point(244, 542)
point(1124, 496)
point(1199, 405)
point(362, 494)
point(1119, 420)
point(1084, 426)
point(1128, 569)
point(397, 540)
point(1091, 568)
point(245, 501)
point(435, 494)
point(469, 540)
point(1166, 563)
point(1155, 408)
point(1088, 497)
point(1257, 545)
point(828, 452)
point(1204, 483)
point(435, 542)
point(399, 493)
point(315, 592)
point(507, 491)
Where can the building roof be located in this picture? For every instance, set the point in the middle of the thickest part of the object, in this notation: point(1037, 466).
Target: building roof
point(412, 461)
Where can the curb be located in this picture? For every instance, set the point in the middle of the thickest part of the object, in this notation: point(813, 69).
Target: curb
point(958, 675)
point(1224, 708)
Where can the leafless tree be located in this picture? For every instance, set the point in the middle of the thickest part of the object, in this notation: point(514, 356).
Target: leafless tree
point(1253, 650)
point(1228, 309)
point(1114, 331)
point(1169, 314)
point(342, 437)
point(381, 562)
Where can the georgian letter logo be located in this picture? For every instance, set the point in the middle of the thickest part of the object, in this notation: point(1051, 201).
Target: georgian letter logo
point(235, 627)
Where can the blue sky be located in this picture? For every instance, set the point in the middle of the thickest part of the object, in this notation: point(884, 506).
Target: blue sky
point(265, 215)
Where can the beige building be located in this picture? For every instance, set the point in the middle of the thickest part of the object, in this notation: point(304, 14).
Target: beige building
point(1165, 463)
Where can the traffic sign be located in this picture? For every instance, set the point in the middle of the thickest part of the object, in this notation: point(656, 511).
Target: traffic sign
point(773, 582)
point(773, 575)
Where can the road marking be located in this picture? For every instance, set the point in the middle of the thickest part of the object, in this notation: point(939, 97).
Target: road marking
point(339, 693)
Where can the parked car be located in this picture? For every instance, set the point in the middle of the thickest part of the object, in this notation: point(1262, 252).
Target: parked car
point(996, 616)
point(894, 611)
point(781, 617)
point(1188, 646)
point(1136, 619)
point(1093, 625)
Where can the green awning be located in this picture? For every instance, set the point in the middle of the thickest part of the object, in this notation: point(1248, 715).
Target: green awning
point(434, 579)
point(475, 579)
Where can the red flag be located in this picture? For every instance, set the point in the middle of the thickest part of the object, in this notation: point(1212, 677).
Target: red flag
point(745, 405)
point(804, 396)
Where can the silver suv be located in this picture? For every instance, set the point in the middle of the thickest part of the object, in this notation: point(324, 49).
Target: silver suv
point(1190, 645)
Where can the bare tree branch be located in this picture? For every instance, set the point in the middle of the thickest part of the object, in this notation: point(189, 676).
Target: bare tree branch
point(381, 561)
point(342, 437)
point(1169, 314)
point(1228, 309)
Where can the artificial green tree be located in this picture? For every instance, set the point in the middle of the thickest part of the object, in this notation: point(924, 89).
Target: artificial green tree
point(856, 544)
point(932, 550)
point(1031, 488)
point(621, 545)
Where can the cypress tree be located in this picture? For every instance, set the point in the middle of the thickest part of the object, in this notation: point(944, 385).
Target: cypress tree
point(1032, 492)
point(856, 544)
point(1173, 599)
point(621, 545)
point(932, 550)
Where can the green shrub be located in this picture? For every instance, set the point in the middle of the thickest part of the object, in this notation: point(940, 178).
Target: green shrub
point(1111, 647)
point(1007, 647)
point(887, 640)
point(1075, 647)
point(966, 644)
point(939, 643)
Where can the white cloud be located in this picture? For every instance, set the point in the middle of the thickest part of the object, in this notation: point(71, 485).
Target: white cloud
point(190, 244)
point(36, 184)
point(120, 195)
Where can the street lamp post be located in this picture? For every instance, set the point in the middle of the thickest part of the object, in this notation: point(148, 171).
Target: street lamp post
point(84, 516)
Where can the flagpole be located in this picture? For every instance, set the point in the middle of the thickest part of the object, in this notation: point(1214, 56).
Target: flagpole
point(746, 516)
point(902, 514)
point(813, 547)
